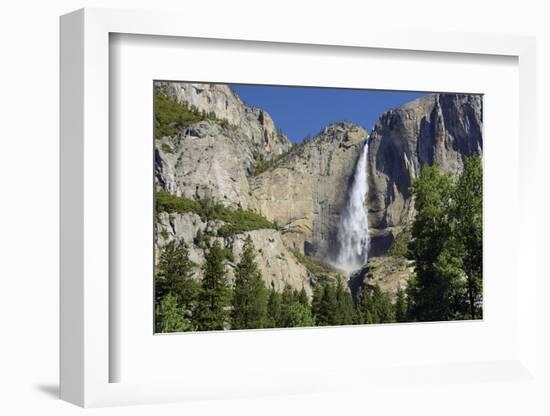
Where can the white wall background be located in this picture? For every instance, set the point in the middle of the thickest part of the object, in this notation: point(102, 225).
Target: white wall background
point(29, 206)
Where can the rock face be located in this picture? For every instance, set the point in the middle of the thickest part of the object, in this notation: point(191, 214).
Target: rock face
point(278, 265)
point(305, 187)
point(256, 127)
point(306, 191)
point(181, 226)
point(210, 159)
point(206, 161)
point(214, 159)
point(388, 273)
point(437, 128)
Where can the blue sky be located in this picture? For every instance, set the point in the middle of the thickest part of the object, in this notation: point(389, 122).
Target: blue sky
point(300, 111)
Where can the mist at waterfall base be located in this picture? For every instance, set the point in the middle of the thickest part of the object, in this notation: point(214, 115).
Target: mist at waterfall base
point(353, 230)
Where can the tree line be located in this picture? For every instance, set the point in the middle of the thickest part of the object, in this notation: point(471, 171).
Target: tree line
point(184, 303)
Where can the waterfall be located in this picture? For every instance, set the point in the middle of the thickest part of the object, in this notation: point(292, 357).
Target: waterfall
point(353, 230)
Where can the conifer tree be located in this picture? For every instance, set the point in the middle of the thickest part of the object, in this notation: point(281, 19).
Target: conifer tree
point(214, 297)
point(375, 306)
point(175, 276)
point(302, 298)
point(287, 299)
point(400, 306)
point(382, 307)
point(288, 296)
point(345, 310)
point(446, 245)
point(249, 297)
point(273, 309)
point(296, 314)
point(468, 214)
point(293, 312)
point(431, 236)
point(327, 307)
point(169, 317)
point(316, 301)
point(366, 307)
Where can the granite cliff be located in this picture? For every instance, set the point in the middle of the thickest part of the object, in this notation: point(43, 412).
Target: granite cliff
point(438, 128)
point(238, 158)
point(306, 191)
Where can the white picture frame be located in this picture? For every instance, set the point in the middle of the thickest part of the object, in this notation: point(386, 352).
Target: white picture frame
point(85, 352)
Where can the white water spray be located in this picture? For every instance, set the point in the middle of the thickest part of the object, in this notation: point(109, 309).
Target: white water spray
point(353, 232)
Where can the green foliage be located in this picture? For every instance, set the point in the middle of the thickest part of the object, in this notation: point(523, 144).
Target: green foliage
point(327, 312)
point(296, 315)
point(164, 233)
point(293, 313)
point(166, 202)
point(400, 306)
point(166, 148)
point(250, 294)
point(431, 232)
point(400, 246)
point(169, 317)
point(450, 283)
point(185, 305)
point(375, 306)
point(332, 304)
point(214, 297)
point(174, 275)
point(263, 165)
point(318, 293)
point(201, 239)
point(446, 245)
point(209, 209)
point(468, 212)
point(431, 228)
point(171, 116)
point(274, 303)
point(237, 221)
point(228, 254)
point(345, 309)
point(302, 297)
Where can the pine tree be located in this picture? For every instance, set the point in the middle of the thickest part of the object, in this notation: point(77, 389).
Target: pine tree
point(400, 306)
point(327, 308)
point(375, 306)
point(365, 307)
point(432, 231)
point(382, 306)
point(288, 296)
point(447, 245)
point(296, 314)
point(249, 297)
point(302, 298)
point(175, 276)
point(169, 317)
point(316, 301)
point(345, 310)
point(273, 309)
point(468, 214)
point(293, 312)
point(287, 299)
point(214, 298)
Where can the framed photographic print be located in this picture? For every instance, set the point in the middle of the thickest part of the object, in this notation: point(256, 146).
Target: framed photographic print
point(292, 210)
point(255, 229)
